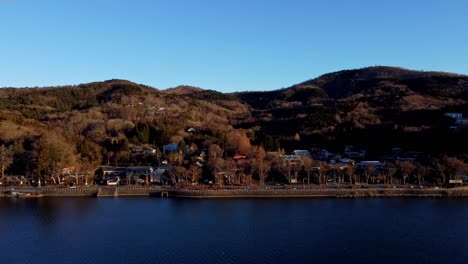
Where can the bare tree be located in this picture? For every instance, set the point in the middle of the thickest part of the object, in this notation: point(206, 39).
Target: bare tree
point(349, 172)
point(6, 159)
point(406, 168)
point(216, 163)
point(321, 169)
point(286, 168)
point(194, 172)
point(180, 172)
point(453, 166)
point(390, 171)
point(440, 167)
point(55, 154)
point(307, 166)
point(261, 165)
point(420, 172)
point(368, 171)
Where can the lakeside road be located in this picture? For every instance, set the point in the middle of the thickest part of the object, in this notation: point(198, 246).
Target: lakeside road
point(247, 192)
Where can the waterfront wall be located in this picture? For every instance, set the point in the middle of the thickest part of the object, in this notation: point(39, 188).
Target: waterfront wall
point(240, 193)
point(339, 193)
point(94, 191)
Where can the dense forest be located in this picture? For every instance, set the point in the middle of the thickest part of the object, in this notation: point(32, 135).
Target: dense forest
point(45, 131)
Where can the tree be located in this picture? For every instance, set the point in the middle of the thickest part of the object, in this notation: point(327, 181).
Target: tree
point(336, 171)
point(217, 166)
point(406, 168)
point(390, 171)
point(439, 166)
point(349, 172)
point(6, 159)
point(180, 172)
point(296, 168)
point(194, 172)
point(232, 170)
point(216, 163)
point(453, 166)
point(286, 168)
point(261, 165)
point(55, 154)
point(420, 172)
point(239, 140)
point(89, 158)
point(307, 166)
point(368, 171)
point(322, 170)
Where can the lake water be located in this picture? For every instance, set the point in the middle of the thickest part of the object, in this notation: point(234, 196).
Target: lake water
point(151, 230)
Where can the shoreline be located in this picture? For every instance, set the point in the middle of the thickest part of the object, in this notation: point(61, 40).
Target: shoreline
point(31, 192)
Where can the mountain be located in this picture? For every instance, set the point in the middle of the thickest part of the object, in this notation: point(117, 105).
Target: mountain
point(369, 81)
point(375, 107)
point(115, 107)
point(363, 106)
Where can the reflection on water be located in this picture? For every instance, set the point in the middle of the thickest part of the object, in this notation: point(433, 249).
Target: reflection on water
point(146, 230)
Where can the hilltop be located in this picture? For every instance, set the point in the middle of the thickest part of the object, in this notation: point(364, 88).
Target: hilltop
point(370, 81)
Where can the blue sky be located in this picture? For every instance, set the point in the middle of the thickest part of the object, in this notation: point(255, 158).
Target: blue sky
point(224, 45)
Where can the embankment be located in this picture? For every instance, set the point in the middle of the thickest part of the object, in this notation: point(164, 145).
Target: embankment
point(316, 192)
point(237, 193)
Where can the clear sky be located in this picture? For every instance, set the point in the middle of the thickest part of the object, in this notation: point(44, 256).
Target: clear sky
point(224, 45)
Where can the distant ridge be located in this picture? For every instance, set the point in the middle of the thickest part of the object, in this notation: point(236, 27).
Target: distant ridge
point(366, 81)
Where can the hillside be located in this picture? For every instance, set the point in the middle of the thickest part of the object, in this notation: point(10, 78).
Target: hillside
point(366, 81)
point(97, 123)
point(375, 108)
point(347, 106)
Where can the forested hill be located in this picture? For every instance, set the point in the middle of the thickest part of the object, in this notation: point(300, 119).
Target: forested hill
point(370, 81)
point(99, 122)
point(375, 108)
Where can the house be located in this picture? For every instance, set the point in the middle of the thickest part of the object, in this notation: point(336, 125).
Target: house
point(301, 152)
point(143, 170)
point(172, 147)
point(462, 176)
point(149, 150)
point(291, 159)
point(165, 166)
point(456, 116)
point(346, 161)
point(111, 172)
point(459, 121)
point(135, 173)
point(368, 163)
point(356, 154)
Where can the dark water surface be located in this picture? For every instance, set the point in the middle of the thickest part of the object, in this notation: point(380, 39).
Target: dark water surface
point(146, 230)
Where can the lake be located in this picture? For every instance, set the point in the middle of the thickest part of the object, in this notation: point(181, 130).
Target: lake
point(153, 230)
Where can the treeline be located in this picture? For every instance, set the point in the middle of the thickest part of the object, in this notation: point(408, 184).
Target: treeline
point(263, 167)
